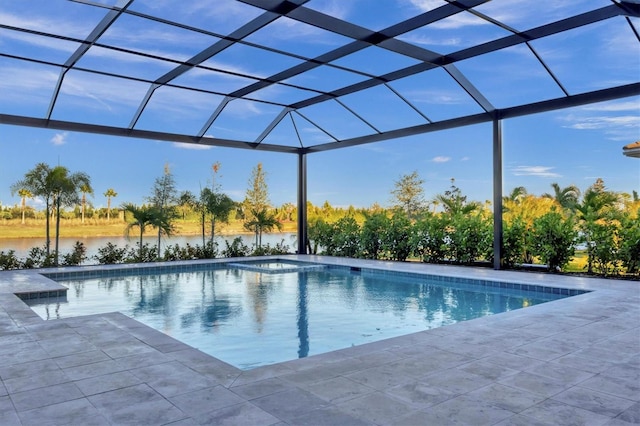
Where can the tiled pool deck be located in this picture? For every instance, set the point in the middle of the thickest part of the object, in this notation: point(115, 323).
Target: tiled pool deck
point(568, 362)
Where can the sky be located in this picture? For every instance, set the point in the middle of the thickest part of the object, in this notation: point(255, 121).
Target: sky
point(571, 147)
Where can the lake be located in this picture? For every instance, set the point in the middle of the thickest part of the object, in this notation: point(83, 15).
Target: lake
point(22, 245)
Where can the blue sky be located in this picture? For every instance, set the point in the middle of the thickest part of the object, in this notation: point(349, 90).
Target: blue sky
point(573, 146)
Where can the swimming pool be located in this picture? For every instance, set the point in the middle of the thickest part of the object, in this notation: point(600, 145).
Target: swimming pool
point(253, 314)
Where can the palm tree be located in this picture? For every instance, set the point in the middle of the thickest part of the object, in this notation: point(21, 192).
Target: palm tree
point(24, 194)
point(567, 197)
point(35, 181)
point(144, 217)
point(85, 189)
point(64, 189)
point(110, 193)
point(261, 221)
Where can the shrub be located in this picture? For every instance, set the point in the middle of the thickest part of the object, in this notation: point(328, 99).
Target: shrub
point(9, 260)
point(514, 242)
point(110, 254)
point(397, 237)
point(428, 239)
point(76, 257)
point(630, 244)
point(469, 237)
point(37, 258)
point(236, 249)
point(553, 240)
point(372, 235)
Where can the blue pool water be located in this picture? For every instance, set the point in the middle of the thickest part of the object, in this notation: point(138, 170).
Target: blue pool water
point(249, 318)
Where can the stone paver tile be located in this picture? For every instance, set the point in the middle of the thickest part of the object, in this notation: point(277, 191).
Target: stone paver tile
point(329, 416)
point(107, 382)
point(456, 381)
point(625, 371)
point(585, 364)
point(136, 405)
point(66, 346)
point(49, 395)
point(513, 361)
point(506, 397)
point(563, 414)
point(8, 414)
point(76, 412)
point(376, 408)
point(33, 353)
point(535, 383)
point(307, 377)
point(82, 358)
point(41, 380)
point(3, 390)
point(564, 373)
point(261, 388)
point(631, 414)
point(238, 415)
point(617, 386)
point(27, 369)
point(44, 331)
point(338, 389)
point(488, 370)
point(120, 398)
point(598, 402)
point(261, 373)
point(205, 400)
point(461, 410)
point(419, 394)
point(143, 360)
point(379, 378)
point(173, 378)
point(520, 420)
point(95, 369)
point(146, 413)
point(122, 349)
point(289, 404)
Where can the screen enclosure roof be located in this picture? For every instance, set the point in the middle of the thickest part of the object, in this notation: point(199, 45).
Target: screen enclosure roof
point(303, 76)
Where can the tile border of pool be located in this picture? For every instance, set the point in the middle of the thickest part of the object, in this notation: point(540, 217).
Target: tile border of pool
point(592, 340)
point(105, 271)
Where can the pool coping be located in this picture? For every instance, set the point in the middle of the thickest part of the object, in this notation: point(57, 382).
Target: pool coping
point(256, 392)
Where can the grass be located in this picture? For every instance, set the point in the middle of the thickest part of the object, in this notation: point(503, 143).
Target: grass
point(74, 228)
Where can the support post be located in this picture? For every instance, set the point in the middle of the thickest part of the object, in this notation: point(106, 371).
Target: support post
point(497, 194)
point(302, 203)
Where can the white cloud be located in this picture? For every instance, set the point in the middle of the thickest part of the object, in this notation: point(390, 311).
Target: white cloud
point(192, 146)
point(60, 138)
point(441, 159)
point(541, 171)
point(465, 159)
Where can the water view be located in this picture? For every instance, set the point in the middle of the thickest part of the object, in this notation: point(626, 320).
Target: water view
point(23, 245)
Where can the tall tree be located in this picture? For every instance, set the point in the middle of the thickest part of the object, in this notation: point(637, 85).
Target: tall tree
point(257, 195)
point(219, 207)
point(36, 182)
point(164, 197)
point(85, 189)
point(24, 194)
point(566, 197)
point(408, 194)
point(65, 188)
point(110, 193)
point(454, 202)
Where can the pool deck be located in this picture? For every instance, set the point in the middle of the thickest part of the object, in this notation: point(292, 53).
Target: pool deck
point(568, 362)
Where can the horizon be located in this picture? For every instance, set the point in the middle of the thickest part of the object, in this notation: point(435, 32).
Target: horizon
point(573, 146)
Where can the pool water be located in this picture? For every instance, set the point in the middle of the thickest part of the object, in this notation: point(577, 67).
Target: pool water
point(249, 319)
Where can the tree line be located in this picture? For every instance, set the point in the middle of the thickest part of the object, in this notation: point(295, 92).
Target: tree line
point(448, 228)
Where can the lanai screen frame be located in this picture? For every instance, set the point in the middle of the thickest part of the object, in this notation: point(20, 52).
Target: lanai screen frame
point(361, 38)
